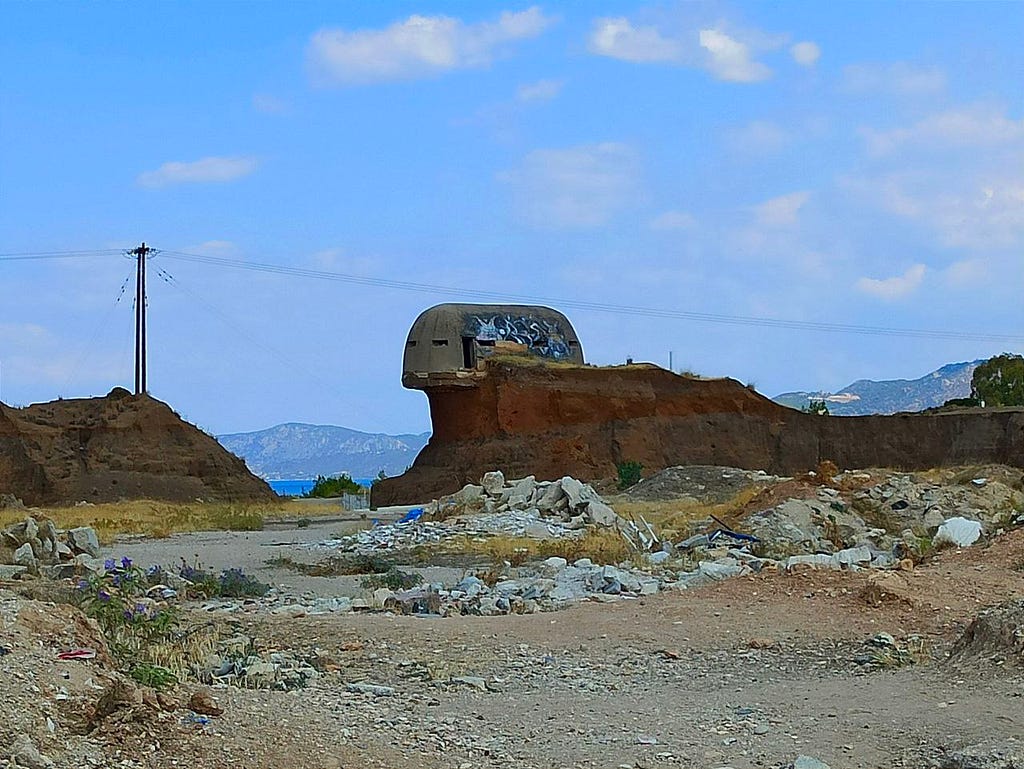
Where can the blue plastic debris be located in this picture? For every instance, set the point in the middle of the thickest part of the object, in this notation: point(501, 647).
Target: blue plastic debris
point(413, 515)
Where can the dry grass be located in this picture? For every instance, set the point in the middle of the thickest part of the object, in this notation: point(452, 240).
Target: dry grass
point(161, 519)
point(604, 546)
point(673, 519)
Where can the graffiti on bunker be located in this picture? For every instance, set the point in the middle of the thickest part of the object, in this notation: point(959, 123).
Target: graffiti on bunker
point(541, 336)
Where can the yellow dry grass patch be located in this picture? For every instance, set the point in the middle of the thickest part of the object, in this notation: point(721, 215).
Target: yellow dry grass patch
point(672, 519)
point(604, 546)
point(161, 519)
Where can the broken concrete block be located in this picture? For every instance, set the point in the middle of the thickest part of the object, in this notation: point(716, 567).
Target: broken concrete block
point(599, 513)
point(24, 556)
point(493, 482)
point(522, 491)
point(958, 531)
point(84, 540)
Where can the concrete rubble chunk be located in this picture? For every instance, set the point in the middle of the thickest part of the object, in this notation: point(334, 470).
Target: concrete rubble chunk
point(958, 531)
point(10, 572)
point(469, 494)
point(522, 492)
point(84, 540)
point(24, 556)
point(600, 514)
point(493, 482)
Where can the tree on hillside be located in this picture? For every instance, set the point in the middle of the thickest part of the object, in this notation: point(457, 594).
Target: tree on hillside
point(999, 381)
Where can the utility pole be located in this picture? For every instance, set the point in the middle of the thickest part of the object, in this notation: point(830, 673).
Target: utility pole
point(140, 254)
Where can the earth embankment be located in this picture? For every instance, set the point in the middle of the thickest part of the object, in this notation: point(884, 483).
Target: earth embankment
point(551, 421)
point(112, 448)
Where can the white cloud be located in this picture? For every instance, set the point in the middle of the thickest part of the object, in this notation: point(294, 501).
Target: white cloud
point(582, 186)
point(619, 39)
point(806, 53)
point(966, 273)
point(781, 211)
point(897, 79)
point(418, 47)
point(759, 137)
point(542, 90)
point(729, 59)
point(271, 105)
point(214, 248)
point(895, 287)
point(206, 170)
point(673, 220)
point(976, 126)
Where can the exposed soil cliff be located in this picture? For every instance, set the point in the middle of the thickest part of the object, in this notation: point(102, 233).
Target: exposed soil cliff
point(555, 420)
point(117, 447)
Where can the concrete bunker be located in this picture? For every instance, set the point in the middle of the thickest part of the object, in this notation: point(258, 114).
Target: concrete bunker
point(452, 339)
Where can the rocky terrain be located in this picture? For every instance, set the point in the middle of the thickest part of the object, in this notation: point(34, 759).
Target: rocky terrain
point(891, 396)
point(112, 448)
point(556, 420)
point(841, 619)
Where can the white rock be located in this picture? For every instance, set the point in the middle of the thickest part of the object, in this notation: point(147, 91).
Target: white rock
point(852, 556)
point(493, 482)
point(600, 514)
point(554, 563)
point(958, 531)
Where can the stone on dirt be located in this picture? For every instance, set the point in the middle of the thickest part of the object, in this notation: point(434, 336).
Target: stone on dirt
point(1002, 754)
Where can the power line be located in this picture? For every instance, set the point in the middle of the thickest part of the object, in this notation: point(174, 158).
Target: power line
point(35, 255)
point(650, 312)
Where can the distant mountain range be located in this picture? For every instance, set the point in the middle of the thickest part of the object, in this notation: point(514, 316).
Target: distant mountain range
point(301, 451)
point(891, 396)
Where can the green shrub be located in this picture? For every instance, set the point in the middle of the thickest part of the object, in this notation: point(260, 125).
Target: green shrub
point(333, 487)
point(630, 473)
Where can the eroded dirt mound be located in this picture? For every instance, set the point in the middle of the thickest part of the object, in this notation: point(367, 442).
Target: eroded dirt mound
point(582, 421)
point(117, 447)
point(996, 634)
point(705, 484)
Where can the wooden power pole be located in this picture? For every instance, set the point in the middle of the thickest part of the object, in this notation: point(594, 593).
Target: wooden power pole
point(140, 253)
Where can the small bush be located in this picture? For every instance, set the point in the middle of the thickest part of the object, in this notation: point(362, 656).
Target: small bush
point(155, 676)
point(333, 487)
point(394, 579)
point(130, 620)
point(630, 474)
point(230, 583)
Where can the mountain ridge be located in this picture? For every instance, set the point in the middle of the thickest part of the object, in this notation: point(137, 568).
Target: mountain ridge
point(891, 396)
point(299, 450)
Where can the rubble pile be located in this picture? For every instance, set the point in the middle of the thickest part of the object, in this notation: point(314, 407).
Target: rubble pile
point(35, 545)
point(520, 508)
point(888, 521)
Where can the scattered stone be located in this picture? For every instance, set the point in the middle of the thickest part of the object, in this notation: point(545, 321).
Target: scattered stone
point(1003, 754)
point(202, 702)
point(25, 754)
point(375, 689)
point(809, 762)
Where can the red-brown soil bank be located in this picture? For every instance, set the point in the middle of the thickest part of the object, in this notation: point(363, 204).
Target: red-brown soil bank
point(555, 420)
point(117, 447)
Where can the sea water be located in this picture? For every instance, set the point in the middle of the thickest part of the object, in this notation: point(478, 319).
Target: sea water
point(296, 488)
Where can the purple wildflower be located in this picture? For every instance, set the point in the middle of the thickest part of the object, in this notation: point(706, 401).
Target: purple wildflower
point(110, 564)
point(126, 562)
point(103, 595)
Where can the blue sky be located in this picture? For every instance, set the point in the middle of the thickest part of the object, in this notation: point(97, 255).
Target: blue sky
point(850, 163)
